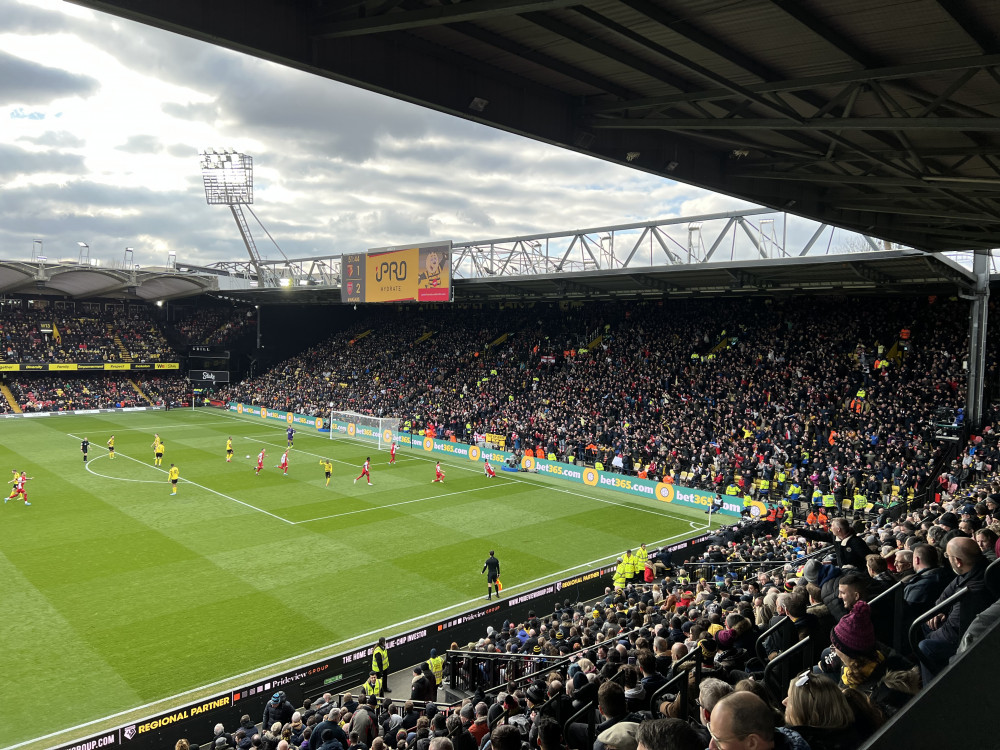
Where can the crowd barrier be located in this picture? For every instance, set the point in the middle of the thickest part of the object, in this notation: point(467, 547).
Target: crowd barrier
point(196, 720)
point(658, 491)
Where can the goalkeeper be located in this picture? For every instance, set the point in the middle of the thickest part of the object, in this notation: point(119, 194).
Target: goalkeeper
point(492, 570)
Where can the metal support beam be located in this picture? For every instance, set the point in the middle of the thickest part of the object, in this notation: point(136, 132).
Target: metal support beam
point(983, 124)
point(437, 15)
point(978, 312)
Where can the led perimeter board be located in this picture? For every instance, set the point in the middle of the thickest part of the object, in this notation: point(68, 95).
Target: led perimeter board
point(419, 273)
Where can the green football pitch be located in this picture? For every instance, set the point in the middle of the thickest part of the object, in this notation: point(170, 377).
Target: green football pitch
point(117, 595)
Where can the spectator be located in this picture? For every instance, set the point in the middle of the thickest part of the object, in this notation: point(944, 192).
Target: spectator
point(819, 712)
point(945, 630)
point(741, 721)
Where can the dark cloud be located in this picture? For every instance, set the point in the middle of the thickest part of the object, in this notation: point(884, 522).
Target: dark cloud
point(16, 161)
point(55, 139)
point(183, 151)
point(25, 82)
point(26, 19)
point(141, 144)
point(196, 112)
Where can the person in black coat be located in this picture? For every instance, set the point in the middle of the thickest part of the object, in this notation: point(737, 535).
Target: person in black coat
point(336, 732)
point(924, 587)
point(848, 547)
point(278, 709)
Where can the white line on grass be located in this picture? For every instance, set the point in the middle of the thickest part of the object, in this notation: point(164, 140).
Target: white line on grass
point(392, 505)
point(200, 486)
point(299, 657)
point(374, 507)
point(154, 428)
point(119, 479)
point(499, 476)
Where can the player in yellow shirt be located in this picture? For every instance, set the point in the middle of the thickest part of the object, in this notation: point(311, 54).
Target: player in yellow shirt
point(155, 445)
point(111, 448)
point(229, 450)
point(174, 474)
point(327, 465)
point(158, 454)
point(13, 490)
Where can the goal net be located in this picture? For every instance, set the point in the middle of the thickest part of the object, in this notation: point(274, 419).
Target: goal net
point(379, 430)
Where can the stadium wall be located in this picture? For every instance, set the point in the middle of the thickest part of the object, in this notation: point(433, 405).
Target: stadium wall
point(195, 721)
point(30, 414)
point(573, 473)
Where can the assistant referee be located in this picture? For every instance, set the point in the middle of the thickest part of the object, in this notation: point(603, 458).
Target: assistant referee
point(492, 570)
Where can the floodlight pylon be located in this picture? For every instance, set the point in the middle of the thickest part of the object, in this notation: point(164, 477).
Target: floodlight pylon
point(228, 179)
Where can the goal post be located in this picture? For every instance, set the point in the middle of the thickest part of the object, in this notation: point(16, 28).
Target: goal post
point(380, 430)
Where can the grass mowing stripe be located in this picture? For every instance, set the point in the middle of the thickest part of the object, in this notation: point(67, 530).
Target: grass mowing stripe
point(390, 505)
point(331, 648)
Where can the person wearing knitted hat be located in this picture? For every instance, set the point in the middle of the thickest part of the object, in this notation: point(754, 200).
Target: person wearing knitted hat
point(853, 640)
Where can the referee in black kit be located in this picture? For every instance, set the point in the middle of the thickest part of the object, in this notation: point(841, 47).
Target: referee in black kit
point(84, 446)
point(492, 570)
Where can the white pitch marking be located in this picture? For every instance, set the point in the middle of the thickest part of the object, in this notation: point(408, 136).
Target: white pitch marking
point(201, 486)
point(393, 505)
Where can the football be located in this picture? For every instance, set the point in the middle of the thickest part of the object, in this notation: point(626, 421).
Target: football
point(248, 455)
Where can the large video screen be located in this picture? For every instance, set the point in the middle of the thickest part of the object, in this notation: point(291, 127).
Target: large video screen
point(420, 273)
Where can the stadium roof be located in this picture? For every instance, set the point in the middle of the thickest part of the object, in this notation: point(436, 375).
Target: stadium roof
point(891, 271)
point(879, 116)
point(77, 281)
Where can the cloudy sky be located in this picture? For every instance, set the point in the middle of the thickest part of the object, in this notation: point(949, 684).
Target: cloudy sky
point(103, 120)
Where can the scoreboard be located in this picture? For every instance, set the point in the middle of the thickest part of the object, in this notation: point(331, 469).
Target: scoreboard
point(419, 273)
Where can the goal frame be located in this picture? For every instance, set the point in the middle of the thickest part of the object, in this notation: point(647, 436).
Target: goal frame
point(385, 429)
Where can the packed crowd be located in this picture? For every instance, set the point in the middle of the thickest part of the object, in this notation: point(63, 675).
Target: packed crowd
point(56, 336)
point(626, 648)
point(838, 394)
point(215, 326)
point(45, 393)
point(820, 584)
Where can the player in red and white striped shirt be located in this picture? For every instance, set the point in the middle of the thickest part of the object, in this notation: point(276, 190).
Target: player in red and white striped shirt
point(364, 471)
point(438, 473)
point(489, 469)
point(392, 453)
point(284, 463)
point(260, 460)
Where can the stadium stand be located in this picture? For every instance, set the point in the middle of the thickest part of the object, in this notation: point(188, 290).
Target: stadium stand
point(38, 393)
point(215, 326)
point(46, 335)
point(704, 394)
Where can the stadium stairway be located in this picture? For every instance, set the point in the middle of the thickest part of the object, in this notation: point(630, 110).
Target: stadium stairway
point(126, 357)
point(138, 390)
point(500, 339)
point(10, 399)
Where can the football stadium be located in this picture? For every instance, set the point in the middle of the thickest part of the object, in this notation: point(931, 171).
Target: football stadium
point(705, 481)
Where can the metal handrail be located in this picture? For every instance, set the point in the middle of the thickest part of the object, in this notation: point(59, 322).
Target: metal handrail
point(759, 645)
point(933, 611)
point(683, 679)
point(992, 577)
point(894, 596)
point(694, 655)
point(780, 660)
